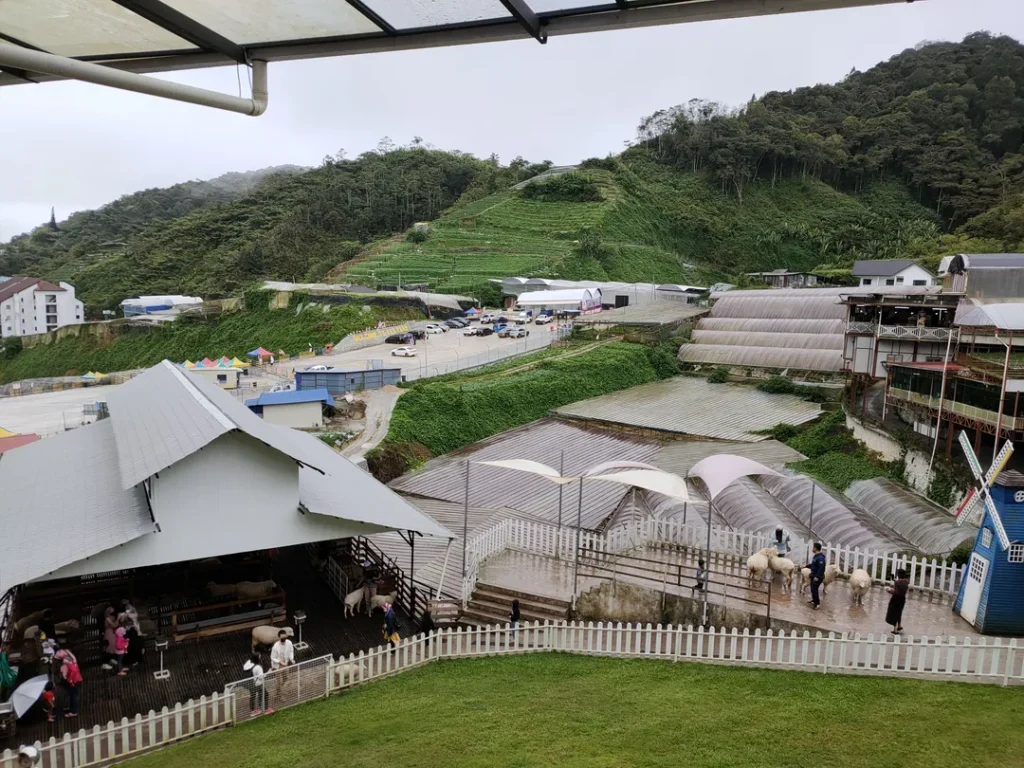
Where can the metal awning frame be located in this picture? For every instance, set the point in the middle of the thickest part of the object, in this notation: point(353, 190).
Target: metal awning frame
point(212, 49)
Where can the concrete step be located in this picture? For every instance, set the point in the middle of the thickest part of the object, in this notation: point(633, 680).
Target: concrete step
point(503, 593)
point(527, 611)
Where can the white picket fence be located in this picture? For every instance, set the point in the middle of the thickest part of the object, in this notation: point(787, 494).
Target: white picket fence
point(988, 660)
point(727, 547)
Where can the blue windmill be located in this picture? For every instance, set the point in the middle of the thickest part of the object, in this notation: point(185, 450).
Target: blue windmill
point(989, 594)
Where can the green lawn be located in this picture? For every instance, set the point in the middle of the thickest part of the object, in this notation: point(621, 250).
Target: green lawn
point(560, 710)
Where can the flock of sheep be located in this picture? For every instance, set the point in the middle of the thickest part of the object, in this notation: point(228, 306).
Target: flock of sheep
point(768, 559)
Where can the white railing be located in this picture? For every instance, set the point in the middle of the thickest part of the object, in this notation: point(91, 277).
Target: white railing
point(730, 548)
point(117, 741)
point(860, 326)
point(919, 333)
point(993, 661)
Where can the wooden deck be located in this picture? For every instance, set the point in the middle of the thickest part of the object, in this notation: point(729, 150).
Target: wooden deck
point(201, 667)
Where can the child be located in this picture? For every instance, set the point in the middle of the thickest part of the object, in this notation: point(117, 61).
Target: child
point(702, 578)
point(257, 695)
point(72, 677)
point(120, 648)
point(49, 703)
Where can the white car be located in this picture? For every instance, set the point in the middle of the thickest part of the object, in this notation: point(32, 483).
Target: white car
point(544, 319)
point(318, 368)
point(403, 352)
point(432, 328)
point(487, 317)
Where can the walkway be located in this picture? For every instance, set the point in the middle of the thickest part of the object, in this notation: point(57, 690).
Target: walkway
point(380, 404)
point(925, 613)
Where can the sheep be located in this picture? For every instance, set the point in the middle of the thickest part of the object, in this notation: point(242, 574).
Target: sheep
point(349, 673)
point(267, 635)
point(22, 624)
point(831, 574)
point(67, 627)
point(221, 590)
point(785, 566)
point(352, 602)
point(378, 601)
point(757, 564)
point(805, 579)
point(860, 583)
point(255, 590)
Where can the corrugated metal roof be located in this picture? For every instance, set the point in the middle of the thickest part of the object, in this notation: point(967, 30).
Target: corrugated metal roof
point(763, 357)
point(544, 441)
point(773, 325)
point(666, 312)
point(925, 524)
point(1007, 316)
point(680, 456)
point(768, 339)
point(693, 406)
point(880, 267)
point(292, 397)
point(62, 501)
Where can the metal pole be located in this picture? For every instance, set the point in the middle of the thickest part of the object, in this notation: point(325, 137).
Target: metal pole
point(444, 568)
point(465, 522)
point(1002, 396)
point(561, 489)
point(16, 57)
point(942, 394)
point(707, 564)
point(576, 567)
point(412, 573)
point(810, 525)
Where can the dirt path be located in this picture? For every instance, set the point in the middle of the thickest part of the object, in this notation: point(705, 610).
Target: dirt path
point(379, 406)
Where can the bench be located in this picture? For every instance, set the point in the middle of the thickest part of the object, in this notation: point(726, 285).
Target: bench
point(184, 625)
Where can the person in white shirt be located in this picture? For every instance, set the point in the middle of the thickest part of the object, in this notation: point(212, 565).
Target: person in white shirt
point(257, 693)
point(283, 652)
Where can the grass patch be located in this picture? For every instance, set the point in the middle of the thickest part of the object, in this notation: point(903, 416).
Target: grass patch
point(562, 710)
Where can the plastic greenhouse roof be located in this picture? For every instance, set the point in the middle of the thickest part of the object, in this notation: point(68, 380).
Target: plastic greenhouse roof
point(163, 35)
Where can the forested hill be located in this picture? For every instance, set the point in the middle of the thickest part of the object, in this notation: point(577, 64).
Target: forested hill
point(919, 156)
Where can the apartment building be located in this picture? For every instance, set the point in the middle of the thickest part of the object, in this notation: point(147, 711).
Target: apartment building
point(29, 305)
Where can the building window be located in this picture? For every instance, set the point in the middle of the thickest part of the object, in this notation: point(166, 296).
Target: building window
point(920, 282)
point(865, 281)
point(986, 537)
point(890, 281)
point(977, 570)
point(899, 279)
point(222, 378)
point(1016, 553)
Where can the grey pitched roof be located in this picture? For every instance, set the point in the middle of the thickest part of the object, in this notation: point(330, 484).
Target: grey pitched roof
point(164, 415)
point(881, 267)
point(62, 501)
point(994, 260)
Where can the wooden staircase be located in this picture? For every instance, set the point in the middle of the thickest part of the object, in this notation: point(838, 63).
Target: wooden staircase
point(491, 604)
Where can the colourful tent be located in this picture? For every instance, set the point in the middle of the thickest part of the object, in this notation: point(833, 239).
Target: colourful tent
point(472, 311)
point(90, 375)
point(206, 363)
point(5, 433)
point(188, 364)
point(236, 363)
point(224, 361)
point(260, 353)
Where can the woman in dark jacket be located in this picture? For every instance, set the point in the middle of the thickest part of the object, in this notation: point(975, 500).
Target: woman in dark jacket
point(513, 617)
point(426, 627)
point(894, 613)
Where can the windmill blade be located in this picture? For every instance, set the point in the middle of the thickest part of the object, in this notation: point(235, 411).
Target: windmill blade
point(972, 460)
point(997, 465)
point(968, 506)
point(997, 523)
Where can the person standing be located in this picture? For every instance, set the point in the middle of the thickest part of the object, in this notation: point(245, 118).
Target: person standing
point(391, 626)
point(50, 703)
point(121, 650)
point(782, 541)
point(513, 617)
point(282, 656)
point(109, 637)
point(899, 589)
point(702, 577)
point(257, 694)
point(72, 677)
point(817, 566)
point(129, 619)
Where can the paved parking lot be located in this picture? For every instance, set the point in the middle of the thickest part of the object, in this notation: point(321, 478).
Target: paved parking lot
point(51, 412)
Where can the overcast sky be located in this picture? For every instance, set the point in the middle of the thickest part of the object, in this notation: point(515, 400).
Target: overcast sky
point(77, 146)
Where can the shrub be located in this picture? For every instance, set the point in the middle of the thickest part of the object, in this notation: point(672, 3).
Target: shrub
point(391, 460)
point(417, 236)
point(777, 385)
point(567, 188)
point(600, 163)
point(664, 359)
point(962, 552)
point(720, 375)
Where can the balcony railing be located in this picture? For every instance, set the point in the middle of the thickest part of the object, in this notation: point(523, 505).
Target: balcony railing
point(953, 406)
point(955, 283)
point(909, 332)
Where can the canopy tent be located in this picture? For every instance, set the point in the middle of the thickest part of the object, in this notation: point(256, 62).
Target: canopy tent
point(655, 480)
point(472, 311)
point(236, 363)
point(260, 353)
point(719, 471)
point(225, 361)
point(188, 364)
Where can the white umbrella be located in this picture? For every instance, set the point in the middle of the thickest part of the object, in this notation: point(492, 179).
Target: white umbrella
point(28, 693)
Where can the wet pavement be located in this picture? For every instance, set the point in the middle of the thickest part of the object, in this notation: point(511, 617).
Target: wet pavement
point(925, 614)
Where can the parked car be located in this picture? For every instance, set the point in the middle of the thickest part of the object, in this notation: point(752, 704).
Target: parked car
point(473, 331)
point(403, 352)
point(487, 317)
point(543, 319)
point(463, 321)
point(319, 368)
point(281, 388)
point(484, 331)
point(435, 329)
point(399, 338)
point(523, 318)
point(515, 332)
point(501, 319)
point(498, 328)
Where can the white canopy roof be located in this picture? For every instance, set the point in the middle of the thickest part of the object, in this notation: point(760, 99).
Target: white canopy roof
point(569, 297)
point(719, 471)
point(656, 480)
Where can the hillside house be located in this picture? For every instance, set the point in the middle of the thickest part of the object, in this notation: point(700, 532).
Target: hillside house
point(29, 305)
point(783, 278)
point(891, 272)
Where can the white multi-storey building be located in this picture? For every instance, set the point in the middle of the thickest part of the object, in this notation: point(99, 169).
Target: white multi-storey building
point(30, 305)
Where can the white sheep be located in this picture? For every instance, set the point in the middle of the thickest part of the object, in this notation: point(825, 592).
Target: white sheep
point(221, 590)
point(255, 590)
point(860, 583)
point(378, 601)
point(349, 673)
point(352, 602)
point(785, 566)
point(757, 564)
point(831, 574)
point(805, 579)
point(267, 635)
